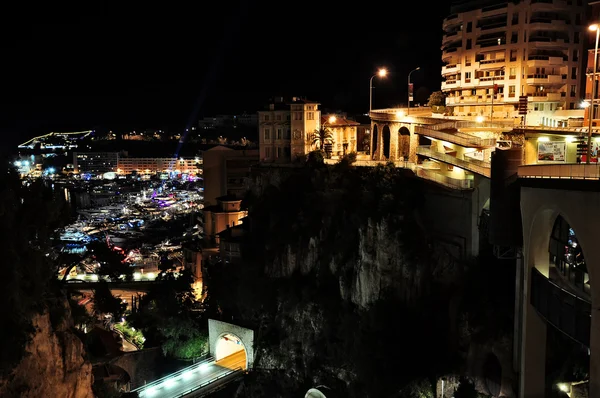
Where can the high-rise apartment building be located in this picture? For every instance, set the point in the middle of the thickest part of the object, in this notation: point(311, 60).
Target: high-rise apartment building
point(495, 51)
point(286, 128)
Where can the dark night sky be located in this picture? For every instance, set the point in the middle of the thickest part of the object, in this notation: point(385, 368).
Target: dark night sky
point(151, 65)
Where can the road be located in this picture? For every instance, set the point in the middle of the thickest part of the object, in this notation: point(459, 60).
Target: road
point(184, 383)
point(233, 361)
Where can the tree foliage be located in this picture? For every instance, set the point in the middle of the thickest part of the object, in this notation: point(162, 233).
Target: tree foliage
point(168, 317)
point(321, 137)
point(436, 98)
point(106, 303)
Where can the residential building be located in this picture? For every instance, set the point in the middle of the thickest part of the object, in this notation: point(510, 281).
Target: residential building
point(344, 135)
point(286, 129)
point(129, 165)
point(95, 163)
point(496, 51)
point(225, 171)
point(225, 214)
point(230, 243)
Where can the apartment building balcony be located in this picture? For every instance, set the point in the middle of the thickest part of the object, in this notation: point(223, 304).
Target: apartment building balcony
point(447, 51)
point(547, 23)
point(546, 79)
point(473, 99)
point(548, 5)
point(491, 79)
point(493, 10)
point(450, 133)
point(547, 42)
point(450, 182)
point(545, 60)
point(451, 36)
point(547, 97)
point(490, 63)
point(450, 20)
point(589, 71)
point(452, 68)
point(448, 84)
point(475, 166)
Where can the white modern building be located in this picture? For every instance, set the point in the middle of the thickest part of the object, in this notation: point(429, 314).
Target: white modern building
point(496, 51)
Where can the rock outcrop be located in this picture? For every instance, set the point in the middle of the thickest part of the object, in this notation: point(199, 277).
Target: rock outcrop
point(53, 366)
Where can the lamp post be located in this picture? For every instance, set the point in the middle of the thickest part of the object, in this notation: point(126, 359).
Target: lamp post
point(381, 73)
point(593, 28)
point(408, 102)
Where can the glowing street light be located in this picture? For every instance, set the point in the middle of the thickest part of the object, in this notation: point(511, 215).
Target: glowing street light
point(332, 119)
point(381, 73)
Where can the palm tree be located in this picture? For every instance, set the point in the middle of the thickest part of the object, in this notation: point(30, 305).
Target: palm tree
point(321, 137)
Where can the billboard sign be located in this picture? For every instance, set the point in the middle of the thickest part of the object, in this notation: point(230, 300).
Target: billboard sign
point(552, 151)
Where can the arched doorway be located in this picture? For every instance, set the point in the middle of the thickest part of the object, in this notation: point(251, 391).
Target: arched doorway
point(375, 140)
point(385, 135)
point(404, 140)
point(566, 254)
point(230, 352)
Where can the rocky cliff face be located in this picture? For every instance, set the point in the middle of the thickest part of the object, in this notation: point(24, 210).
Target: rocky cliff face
point(54, 365)
point(378, 265)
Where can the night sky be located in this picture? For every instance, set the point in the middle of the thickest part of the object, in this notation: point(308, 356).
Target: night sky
point(164, 65)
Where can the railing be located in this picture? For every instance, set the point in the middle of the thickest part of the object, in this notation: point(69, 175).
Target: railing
point(173, 375)
point(233, 373)
point(450, 182)
point(565, 311)
point(444, 157)
point(461, 139)
point(561, 171)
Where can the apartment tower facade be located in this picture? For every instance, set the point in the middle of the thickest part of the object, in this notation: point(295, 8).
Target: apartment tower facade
point(496, 51)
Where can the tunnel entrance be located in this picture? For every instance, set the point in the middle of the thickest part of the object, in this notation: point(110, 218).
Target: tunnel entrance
point(230, 352)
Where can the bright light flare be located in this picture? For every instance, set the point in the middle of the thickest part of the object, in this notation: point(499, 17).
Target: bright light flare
point(150, 275)
point(593, 27)
point(170, 382)
point(479, 119)
point(188, 375)
point(382, 72)
point(332, 119)
point(400, 114)
point(137, 276)
point(564, 387)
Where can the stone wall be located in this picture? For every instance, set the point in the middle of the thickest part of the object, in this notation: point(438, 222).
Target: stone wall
point(216, 329)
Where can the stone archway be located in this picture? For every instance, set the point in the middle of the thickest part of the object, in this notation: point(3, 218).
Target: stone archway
point(386, 144)
point(222, 339)
point(540, 209)
point(404, 142)
point(374, 142)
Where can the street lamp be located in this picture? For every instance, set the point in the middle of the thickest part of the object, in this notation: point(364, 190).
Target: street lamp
point(381, 73)
point(593, 28)
point(408, 103)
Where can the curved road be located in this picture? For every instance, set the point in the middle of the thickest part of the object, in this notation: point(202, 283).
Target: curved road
point(187, 384)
